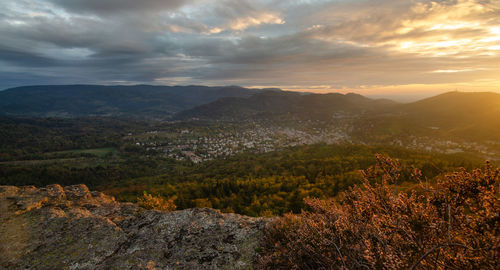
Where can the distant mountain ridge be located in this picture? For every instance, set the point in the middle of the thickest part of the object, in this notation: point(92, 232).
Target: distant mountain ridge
point(87, 100)
point(275, 104)
point(464, 114)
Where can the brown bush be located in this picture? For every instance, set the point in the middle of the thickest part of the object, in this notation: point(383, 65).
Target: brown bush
point(149, 201)
point(454, 225)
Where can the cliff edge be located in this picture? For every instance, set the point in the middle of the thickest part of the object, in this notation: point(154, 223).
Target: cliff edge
point(73, 228)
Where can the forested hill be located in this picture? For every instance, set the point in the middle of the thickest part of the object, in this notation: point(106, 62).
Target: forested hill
point(98, 100)
point(276, 104)
point(474, 115)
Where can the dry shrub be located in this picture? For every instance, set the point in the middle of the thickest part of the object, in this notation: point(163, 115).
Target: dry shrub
point(149, 201)
point(454, 225)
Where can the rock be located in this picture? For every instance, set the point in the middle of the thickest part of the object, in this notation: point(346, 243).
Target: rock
point(74, 228)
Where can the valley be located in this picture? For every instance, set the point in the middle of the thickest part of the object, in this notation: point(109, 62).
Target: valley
point(259, 161)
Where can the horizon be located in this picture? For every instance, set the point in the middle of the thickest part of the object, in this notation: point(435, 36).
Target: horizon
point(406, 50)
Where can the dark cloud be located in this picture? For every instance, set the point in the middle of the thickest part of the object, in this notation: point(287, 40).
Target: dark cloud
point(104, 7)
point(15, 57)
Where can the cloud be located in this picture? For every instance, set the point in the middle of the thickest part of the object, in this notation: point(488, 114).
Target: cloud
point(263, 18)
point(433, 28)
point(240, 15)
point(313, 44)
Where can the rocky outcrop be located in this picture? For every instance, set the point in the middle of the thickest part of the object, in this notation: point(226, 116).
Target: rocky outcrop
point(74, 228)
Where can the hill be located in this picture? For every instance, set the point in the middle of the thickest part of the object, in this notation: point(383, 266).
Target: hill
point(472, 115)
point(98, 100)
point(280, 104)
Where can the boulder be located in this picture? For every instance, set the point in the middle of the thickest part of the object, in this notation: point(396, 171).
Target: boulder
point(74, 228)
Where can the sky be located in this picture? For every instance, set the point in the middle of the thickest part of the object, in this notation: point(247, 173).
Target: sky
point(373, 47)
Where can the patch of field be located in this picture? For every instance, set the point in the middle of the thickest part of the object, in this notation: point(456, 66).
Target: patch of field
point(99, 152)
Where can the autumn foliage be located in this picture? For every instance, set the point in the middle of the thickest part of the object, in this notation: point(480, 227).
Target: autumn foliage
point(149, 201)
point(453, 224)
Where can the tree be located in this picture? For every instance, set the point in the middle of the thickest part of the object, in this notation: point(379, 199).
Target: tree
point(149, 201)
